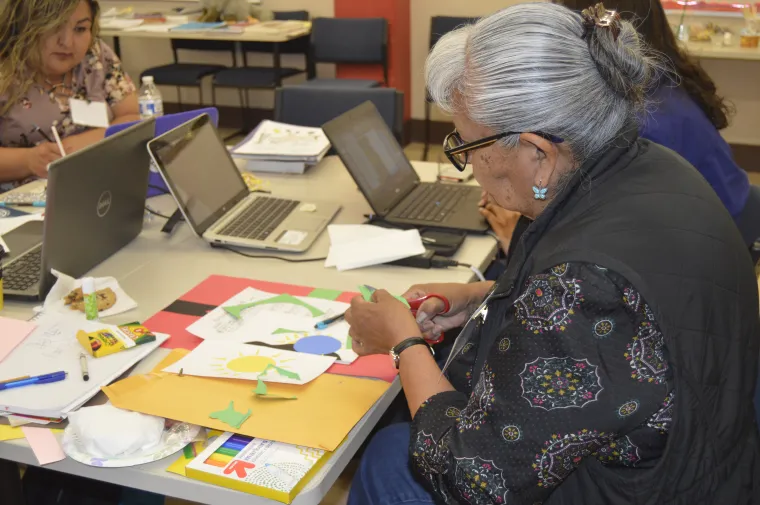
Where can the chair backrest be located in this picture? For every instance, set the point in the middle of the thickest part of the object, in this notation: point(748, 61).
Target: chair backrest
point(441, 25)
point(203, 45)
point(314, 106)
point(295, 46)
point(349, 40)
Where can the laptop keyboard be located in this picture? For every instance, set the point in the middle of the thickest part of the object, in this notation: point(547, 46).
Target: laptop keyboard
point(433, 202)
point(25, 272)
point(260, 219)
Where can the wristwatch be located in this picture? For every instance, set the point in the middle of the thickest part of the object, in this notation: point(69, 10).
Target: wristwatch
point(396, 351)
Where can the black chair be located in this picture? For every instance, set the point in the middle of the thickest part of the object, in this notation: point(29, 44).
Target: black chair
point(254, 77)
point(439, 26)
point(314, 106)
point(348, 40)
point(190, 74)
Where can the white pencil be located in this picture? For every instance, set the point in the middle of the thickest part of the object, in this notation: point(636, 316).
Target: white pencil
point(58, 139)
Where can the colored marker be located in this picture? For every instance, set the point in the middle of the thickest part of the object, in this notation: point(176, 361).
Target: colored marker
point(39, 379)
point(327, 322)
point(22, 204)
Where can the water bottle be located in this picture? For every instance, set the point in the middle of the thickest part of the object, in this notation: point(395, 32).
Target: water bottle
point(151, 103)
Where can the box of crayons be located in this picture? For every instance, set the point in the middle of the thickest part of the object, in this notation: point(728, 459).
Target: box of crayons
point(261, 467)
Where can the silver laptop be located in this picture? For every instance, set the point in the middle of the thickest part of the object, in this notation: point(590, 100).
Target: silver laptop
point(95, 206)
point(216, 202)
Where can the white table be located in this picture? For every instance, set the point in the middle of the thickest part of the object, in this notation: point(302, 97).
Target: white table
point(156, 269)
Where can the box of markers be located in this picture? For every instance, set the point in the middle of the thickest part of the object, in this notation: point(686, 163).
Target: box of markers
point(255, 466)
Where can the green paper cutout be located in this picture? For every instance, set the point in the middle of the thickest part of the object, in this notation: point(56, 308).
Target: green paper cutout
point(261, 387)
point(325, 294)
point(236, 310)
point(261, 392)
point(366, 292)
point(349, 342)
point(280, 331)
point(230, 416)
point(281, 371)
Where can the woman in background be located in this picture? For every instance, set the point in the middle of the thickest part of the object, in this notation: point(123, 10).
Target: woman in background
point(686, 116)
point(50, 52)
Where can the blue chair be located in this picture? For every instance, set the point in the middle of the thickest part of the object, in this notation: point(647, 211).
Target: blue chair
point(314, 106)
point(190, 74)
point(253, 77)
point(439, 26)
point(357, 41)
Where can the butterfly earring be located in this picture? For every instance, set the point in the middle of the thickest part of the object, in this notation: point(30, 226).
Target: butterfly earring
point(539, 193)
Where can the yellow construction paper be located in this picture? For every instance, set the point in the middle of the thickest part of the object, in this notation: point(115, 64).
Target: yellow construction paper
point(11, 433)
point(326, 410)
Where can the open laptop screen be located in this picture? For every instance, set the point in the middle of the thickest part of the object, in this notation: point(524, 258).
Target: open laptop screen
point(372, 155)
point(199, 171)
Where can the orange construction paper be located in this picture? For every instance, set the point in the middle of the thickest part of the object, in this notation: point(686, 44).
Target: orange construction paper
point(327, 408)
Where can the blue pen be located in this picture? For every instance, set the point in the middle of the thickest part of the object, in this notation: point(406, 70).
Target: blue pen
point(22, 204)
point(39, 379)
point(327, 322)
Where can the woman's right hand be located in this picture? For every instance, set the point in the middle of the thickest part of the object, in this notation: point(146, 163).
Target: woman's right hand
point(40, 156)
point(464, 300)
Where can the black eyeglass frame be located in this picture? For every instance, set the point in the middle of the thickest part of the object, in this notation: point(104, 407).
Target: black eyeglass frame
point(484, 142)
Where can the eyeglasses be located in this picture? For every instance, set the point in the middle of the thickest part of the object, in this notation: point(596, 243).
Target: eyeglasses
point(458, 151)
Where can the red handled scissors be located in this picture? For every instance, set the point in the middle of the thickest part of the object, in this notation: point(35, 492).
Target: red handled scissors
point(414, 305)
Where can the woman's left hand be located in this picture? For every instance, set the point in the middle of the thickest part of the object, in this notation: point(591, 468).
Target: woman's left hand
point(379, 325)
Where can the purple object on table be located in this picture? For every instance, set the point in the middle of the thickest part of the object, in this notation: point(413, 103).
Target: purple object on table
point(163, 125)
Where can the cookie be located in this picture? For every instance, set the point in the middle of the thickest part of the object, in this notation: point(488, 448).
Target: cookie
point(106, 299)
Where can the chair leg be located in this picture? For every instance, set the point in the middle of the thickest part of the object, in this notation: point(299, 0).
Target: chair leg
point(427, 131)
point(179, 99)
point(213, 95)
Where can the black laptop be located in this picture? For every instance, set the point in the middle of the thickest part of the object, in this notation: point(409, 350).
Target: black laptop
point(95, 206)
point(377, 163)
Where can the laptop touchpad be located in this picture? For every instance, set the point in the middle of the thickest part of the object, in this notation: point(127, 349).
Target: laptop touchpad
point(304, 221)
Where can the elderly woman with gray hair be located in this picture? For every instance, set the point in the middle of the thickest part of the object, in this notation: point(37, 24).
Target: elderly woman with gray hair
point(614, 361)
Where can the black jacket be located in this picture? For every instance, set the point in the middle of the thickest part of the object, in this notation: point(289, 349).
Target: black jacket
point(641, 210)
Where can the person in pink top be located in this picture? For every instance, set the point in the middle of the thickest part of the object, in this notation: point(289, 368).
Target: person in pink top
point(49, 53)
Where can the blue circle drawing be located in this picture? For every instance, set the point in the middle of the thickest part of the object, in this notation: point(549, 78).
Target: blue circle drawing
point(317, 344)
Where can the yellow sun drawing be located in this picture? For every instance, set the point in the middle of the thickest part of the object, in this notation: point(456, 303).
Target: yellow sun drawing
point(248, 363)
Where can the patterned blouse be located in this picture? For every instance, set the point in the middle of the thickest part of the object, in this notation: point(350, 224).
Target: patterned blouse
point(99, 77)
point(578, 371)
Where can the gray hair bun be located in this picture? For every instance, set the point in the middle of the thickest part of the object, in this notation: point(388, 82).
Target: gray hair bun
point(625, 63)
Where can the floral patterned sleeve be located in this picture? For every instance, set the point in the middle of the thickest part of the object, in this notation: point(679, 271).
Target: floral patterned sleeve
point(578, 371)
point(118, 84)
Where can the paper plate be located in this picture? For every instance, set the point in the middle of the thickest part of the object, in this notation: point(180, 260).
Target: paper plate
point(175, 437)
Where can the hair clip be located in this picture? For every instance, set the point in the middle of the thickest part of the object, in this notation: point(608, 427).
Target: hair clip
point(597, 15)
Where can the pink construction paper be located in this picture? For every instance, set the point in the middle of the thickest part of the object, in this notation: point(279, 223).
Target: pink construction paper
point(44, 444)
point(12, 332)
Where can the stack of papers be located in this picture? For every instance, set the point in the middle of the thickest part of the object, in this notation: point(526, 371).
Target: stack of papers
point(52, 347)
point(119, 23)
point(362, 245)
point(277, 27)
point(282, 148)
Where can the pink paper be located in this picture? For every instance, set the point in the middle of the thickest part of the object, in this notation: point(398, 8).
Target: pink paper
point(44, 444)
point(12, 332)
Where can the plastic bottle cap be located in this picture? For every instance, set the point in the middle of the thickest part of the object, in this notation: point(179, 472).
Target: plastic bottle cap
point(147, 79)
point(88, 285)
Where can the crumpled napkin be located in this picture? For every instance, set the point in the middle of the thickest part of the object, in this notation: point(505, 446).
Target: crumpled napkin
point(65, 284)
point(108, 432)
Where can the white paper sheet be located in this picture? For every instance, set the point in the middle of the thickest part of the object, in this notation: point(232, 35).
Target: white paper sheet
point(53, 347)
point(109, 23)
point(65, 284)
point(230, 360)
point(356, 246)
point(8, 224)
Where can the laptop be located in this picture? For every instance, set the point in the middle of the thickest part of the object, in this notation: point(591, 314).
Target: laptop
point(156, 184)
point(390, 184)
point(95, 206)
point(216, 202)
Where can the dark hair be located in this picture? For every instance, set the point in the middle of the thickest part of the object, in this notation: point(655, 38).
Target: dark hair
point(651, 21)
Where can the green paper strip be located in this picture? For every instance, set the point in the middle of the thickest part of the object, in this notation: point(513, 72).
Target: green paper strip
point(281, 371)
point(325, 294)
point(367, 291)
point(230, 416)
point(280, 331)
point(236, 310)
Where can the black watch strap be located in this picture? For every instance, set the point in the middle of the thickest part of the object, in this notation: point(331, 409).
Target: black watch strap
point(406, 344)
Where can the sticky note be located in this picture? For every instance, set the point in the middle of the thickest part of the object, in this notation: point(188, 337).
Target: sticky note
point(44, 444)
point(93, 114)
point(13, 331)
